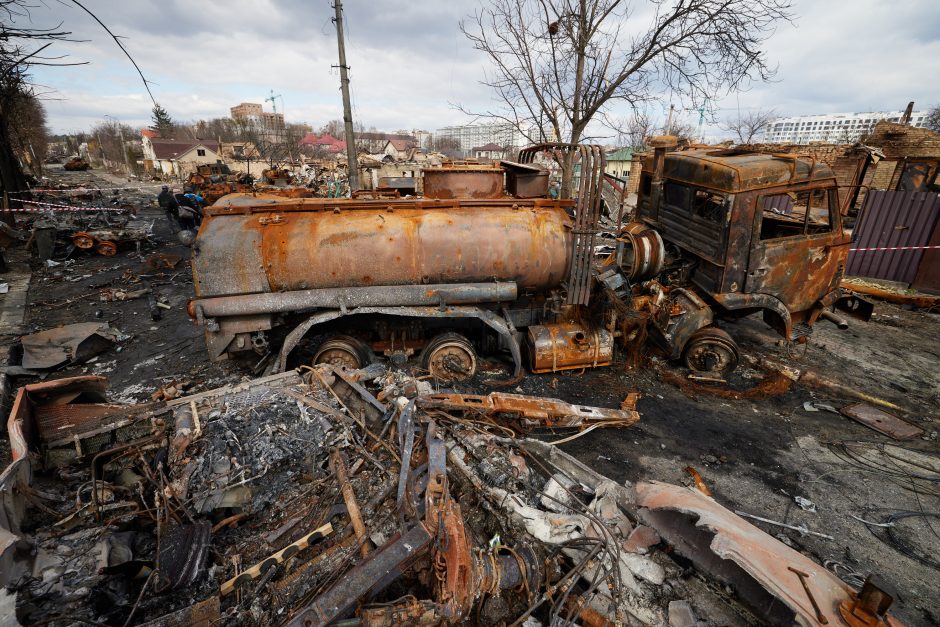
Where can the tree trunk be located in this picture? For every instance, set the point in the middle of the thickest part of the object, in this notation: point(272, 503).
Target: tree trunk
point(567, 167)
point(11, 176)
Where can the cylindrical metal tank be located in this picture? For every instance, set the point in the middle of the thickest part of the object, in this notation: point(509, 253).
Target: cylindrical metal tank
point(317, 243)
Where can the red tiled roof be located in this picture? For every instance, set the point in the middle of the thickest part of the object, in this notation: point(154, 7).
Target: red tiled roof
point(331, 143)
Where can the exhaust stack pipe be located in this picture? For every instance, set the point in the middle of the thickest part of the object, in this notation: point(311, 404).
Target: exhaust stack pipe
point(839, 321)
point(661, 145)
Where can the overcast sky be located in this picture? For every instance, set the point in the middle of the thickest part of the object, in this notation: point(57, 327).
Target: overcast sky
point(410, 63)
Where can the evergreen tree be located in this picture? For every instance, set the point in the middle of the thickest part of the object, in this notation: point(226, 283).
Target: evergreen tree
point(162, 122)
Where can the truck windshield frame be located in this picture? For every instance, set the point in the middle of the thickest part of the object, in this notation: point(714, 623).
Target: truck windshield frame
point(805, 212)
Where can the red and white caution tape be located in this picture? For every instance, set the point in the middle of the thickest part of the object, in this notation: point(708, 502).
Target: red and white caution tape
point(860, 250)
point(51, 206)
point(82, 190)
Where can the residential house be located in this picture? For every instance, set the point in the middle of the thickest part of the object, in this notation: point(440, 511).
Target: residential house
point(398, 149)
point(618, 163)
point(177, 157)
point(488, 151)
point(319, 145)
point(374, 142)
point(240, 156)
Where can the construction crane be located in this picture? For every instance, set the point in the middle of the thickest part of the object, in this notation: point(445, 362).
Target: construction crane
point(701, 122)
point(277, 134)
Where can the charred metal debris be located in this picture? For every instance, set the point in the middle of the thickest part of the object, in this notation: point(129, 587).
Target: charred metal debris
point(337, 496)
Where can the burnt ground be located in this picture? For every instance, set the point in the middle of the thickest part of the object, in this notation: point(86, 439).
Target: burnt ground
point(157, 352)
point(755, 455)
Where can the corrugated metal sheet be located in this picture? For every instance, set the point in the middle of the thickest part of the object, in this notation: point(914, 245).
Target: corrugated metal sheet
point(779, 203)
point(891, 219)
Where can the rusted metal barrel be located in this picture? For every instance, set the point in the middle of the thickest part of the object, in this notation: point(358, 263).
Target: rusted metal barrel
point(315, 244)
point(464, 181)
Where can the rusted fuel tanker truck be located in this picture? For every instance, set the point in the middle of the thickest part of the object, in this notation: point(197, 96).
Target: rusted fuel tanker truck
point(483, 261)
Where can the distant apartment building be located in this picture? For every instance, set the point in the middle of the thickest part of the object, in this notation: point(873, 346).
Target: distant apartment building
point(470, 136)
point(255, 115)
point(836, 128)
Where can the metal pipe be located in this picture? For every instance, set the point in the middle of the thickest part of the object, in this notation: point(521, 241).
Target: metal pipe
point(839, 321)
point(349, 497)
point(338, 297)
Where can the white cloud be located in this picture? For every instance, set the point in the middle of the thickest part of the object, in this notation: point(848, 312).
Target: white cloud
point(410, 62)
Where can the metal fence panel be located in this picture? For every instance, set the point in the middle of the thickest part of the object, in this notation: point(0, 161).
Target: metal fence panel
point(902, 221)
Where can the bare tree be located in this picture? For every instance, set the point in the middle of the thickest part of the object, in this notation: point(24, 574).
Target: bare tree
point(933, 119)
point(333, 128)
point(745, 127)
point(23, 47)
point(29, 136)
point(685, 132)
point(633, 131)
point(561, 62)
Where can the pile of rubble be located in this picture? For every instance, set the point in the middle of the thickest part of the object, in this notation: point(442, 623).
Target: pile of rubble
point(328, 494)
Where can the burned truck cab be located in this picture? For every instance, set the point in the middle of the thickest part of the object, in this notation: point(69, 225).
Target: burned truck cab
point(749, 232)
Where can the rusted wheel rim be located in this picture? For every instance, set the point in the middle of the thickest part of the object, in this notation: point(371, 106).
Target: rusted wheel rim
point(711, 351)
point(452, 359)
point(83, 240)
point(341, 351)
point(108, 249)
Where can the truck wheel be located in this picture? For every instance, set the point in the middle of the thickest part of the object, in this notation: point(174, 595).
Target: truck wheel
point(83, 240)
point(342, 350)
point(106, 248)
point(710, 350)
point(449, 357)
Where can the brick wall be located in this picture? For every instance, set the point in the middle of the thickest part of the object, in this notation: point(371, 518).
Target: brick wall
point(899, 142)
point(636, 170)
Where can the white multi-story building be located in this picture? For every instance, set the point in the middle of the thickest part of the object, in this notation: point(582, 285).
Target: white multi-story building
point(472, 136)
point(835, 128)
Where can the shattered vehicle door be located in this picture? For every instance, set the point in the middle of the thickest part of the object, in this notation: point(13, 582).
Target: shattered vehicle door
point(799, 250)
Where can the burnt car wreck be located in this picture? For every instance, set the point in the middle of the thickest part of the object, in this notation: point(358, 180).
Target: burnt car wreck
point(287, 500)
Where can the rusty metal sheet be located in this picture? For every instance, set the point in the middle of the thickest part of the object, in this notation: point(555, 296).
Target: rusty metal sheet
point(903, 222)
point(463, 181)
point(739, 170)
point(70, 343)
point(757, 565)
point(21, 423)
point(882, 421)
point(928, 271)
point(548, 412)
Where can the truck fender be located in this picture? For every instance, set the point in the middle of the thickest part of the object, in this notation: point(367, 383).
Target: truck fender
point(776, 313)
point(489, 318)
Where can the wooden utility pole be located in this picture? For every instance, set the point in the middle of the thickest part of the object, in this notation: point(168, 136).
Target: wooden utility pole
point(353, 165)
